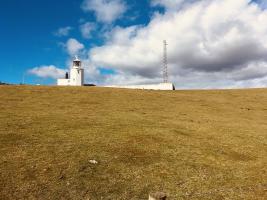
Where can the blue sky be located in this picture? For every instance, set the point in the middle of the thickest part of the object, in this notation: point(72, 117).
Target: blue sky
point(126, 46)
point(28, 33)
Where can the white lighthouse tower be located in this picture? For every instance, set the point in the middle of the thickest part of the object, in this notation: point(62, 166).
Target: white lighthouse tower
point(76, 75)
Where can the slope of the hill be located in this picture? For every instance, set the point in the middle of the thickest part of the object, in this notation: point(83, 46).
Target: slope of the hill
point(190, 144)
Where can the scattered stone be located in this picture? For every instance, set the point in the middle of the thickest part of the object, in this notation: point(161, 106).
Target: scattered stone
point(93, 162)
point(62, 176)
point(157, 196)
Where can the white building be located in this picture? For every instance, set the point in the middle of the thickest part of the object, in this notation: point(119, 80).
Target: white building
point(76, 77)
point(166, 85)
point(160, 86)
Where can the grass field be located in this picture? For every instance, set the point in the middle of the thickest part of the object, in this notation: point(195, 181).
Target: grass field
point(189, 144)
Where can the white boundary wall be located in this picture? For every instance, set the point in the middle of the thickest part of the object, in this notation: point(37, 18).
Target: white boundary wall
point(161, 86)
point(63, 82)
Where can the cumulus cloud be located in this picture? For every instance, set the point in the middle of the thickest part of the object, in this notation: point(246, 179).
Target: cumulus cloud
point(262, 3)
point(212, 43)
point(47, 72)
point(86, 29)
point(106, 11)
point(63, 31)
point(74, 47)
point(169, 4)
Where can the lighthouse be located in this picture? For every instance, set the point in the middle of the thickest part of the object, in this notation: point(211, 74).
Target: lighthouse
point(76, 77)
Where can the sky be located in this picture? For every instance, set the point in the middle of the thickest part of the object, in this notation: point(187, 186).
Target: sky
point(211, 43)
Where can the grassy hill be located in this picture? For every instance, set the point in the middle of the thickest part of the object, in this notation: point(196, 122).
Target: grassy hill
point(190, 144)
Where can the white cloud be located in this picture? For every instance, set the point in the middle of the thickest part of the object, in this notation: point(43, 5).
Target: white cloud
point(262, 3)
point(212, 43)
point(169, 4)
point(74, 47)
point(48, 72)
point(86, 29)
point(63, 31)
point(106, 11)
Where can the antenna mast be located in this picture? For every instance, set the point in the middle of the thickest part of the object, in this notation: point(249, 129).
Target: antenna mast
point(165, 62)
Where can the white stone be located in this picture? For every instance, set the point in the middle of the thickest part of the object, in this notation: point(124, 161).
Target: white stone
point(93, 162)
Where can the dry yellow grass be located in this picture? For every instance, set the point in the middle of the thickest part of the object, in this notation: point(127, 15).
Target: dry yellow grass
point(190, 144)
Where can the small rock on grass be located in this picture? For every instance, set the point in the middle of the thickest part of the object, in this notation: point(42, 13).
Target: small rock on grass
point(93, 162)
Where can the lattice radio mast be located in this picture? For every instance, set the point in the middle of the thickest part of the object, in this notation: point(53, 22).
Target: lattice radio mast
point(165, 62)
